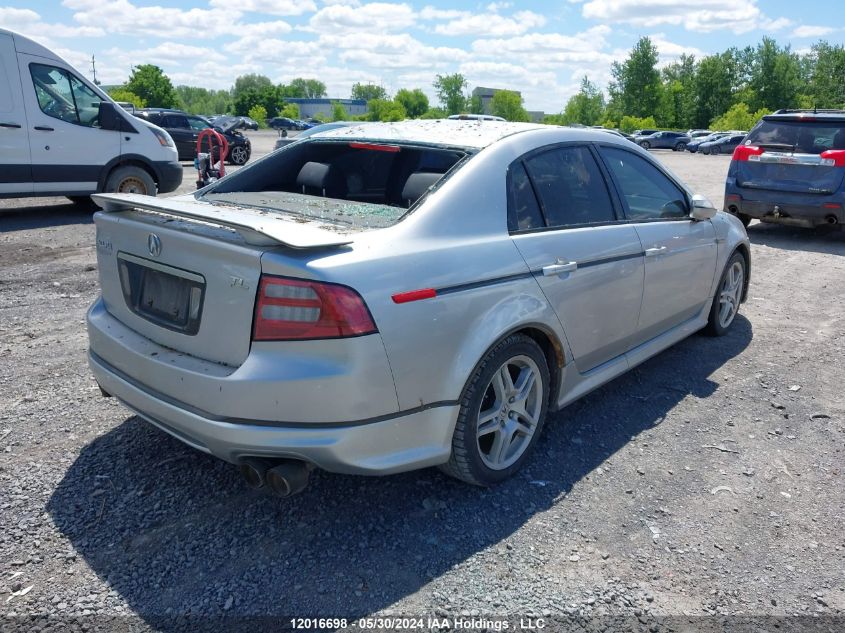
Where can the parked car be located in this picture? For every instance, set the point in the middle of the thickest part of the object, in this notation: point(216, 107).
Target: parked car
point(62, 136)
point(694, 134)
point(185, 129)
point(248, 124)
point(664, 140)
point(331, 327)
point(325, 127)
point(283, 123)
point(637, 133)
point(723, 145)
point(790, 170)
point(695, 143)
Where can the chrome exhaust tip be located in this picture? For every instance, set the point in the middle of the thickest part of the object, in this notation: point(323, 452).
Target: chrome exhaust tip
point(287, 478)
point(253, 470)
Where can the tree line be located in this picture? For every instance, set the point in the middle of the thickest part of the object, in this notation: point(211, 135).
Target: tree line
point(257, 96)
point(727, 90)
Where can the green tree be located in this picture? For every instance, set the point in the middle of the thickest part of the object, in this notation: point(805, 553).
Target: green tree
point(450, 90)
point(384, 110)
point(476, 105)
point(738, 117)
point(258, 114)
point(630, 123)
point(251, 81)
point(339, 112)
point(202, 101)
point(677, 102)
point(368, 91)
point(290, 110)
point(149, 82)
point(586, 107)
point(121, 94)
point(775, 76)
point(508, 105)
point(636, 87)
point(434, 113)
point(308, 88)
point(714, 83)
point(827, 75)
point(414, 101)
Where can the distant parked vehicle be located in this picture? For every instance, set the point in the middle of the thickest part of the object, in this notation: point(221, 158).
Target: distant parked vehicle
point(325, 127)
point(694, 145)
point(248, 123)
point(637, 133)
point(693, 134)
point(790, 170)
point(723, 145)
point(282, 123)
point(664, 140)
point(185, 128)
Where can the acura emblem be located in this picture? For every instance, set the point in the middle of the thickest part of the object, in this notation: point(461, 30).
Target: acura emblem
point(154, 245)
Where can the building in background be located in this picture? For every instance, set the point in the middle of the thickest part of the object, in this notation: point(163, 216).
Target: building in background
point(322, 108)
point(486, 97)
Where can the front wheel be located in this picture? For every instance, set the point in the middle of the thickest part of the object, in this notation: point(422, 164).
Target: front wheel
point(131, 179)
point(503, 408)
point(728, 297)
point(645, 144)
point(680, 147)
point(238, 155)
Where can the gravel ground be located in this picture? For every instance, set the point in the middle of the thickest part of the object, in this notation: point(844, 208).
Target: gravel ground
point(706, 482)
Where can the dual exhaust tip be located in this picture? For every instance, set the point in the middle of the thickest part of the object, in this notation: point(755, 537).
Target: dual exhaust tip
point(284, 477)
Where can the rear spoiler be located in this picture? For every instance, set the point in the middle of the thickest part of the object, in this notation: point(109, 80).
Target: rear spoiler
point(262, 228)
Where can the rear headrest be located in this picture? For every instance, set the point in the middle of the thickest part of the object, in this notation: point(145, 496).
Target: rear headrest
point(417, 184)
point(316, 175)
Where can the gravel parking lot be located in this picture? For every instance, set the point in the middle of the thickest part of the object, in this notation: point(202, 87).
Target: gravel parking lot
point(707, 482)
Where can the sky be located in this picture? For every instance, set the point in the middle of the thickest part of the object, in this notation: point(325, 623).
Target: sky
point(541, 48)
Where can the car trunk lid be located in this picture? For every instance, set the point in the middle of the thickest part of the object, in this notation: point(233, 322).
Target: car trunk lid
point(185, 274)
point(789, 172)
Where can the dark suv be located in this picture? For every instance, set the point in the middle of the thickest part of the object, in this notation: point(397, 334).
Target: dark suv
point(790, 170)
point(185, 128)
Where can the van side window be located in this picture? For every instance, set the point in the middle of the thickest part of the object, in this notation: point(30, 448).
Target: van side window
point(63, 96)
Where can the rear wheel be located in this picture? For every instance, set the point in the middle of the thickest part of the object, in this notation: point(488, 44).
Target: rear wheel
point(503, 408)
point(680, 147)
point(645, 144)
point(131, 179)
point(728, 297)
point(238, 155)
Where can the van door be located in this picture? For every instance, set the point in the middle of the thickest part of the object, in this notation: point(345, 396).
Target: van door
point(15, 164)
point(68, 149)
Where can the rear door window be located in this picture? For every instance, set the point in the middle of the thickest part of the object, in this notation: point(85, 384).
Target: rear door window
point(648, 193)
point(177, 121)
point(570, 187)
point(524, 213)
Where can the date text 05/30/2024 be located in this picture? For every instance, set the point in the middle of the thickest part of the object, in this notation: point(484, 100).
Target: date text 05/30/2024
point(420, 624)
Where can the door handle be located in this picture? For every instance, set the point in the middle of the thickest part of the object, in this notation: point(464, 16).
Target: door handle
point(43, 128)
point(651, 252)
point(559, 268)
point(15, 125)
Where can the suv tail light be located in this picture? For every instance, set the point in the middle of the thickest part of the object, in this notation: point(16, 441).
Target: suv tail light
point(295, 309)
point(745, 152)
point(833, 158)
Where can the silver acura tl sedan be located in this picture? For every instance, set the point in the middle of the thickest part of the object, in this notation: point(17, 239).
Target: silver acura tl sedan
point(386, 297)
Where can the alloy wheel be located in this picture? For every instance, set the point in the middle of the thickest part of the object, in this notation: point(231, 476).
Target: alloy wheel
point(730, 294)
point(509, 412)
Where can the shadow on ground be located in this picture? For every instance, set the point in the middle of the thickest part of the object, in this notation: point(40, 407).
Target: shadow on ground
point(38, 213)
point(828, 240)
point(174, 531)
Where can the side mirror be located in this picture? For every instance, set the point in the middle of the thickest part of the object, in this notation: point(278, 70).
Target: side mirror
point(108, 118)
point(702, 208)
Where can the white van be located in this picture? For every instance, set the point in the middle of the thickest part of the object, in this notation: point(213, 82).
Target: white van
point(60, 135)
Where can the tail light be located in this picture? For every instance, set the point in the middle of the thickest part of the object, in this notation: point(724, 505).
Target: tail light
point(833, 158)
point(295, 309)
point(746, 152)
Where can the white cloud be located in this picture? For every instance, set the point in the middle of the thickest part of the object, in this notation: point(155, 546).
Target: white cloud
point(393, 51)
point(29, 23)
point(375, 17)
point(806, 30)
point(270, 7)
point(481, 24)
point(738, 16)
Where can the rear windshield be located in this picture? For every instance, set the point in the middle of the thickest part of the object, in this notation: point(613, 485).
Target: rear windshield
point(363, 184)
point(803, 137)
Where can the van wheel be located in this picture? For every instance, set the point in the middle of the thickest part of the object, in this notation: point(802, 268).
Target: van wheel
point(131, 179)
point(728, 297)
point(503, 408)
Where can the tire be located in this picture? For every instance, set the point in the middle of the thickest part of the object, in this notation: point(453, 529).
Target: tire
point(130, 179)
point(513, 423)
point(645, 144)
point(729, 291)
point(680, 147)
point(238, 155)
point(715, 150)
point(705, 150)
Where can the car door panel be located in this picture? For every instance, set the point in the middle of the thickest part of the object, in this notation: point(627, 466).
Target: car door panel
point(15, 159)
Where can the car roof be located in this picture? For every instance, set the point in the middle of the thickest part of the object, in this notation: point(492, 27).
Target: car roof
point(473, 134)
point(806, 115)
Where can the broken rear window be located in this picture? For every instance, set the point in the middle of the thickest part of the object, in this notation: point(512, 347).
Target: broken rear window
point(359, 183)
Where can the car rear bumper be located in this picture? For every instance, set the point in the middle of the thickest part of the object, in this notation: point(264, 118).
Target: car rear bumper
point(408, 441)
point(777, 207)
